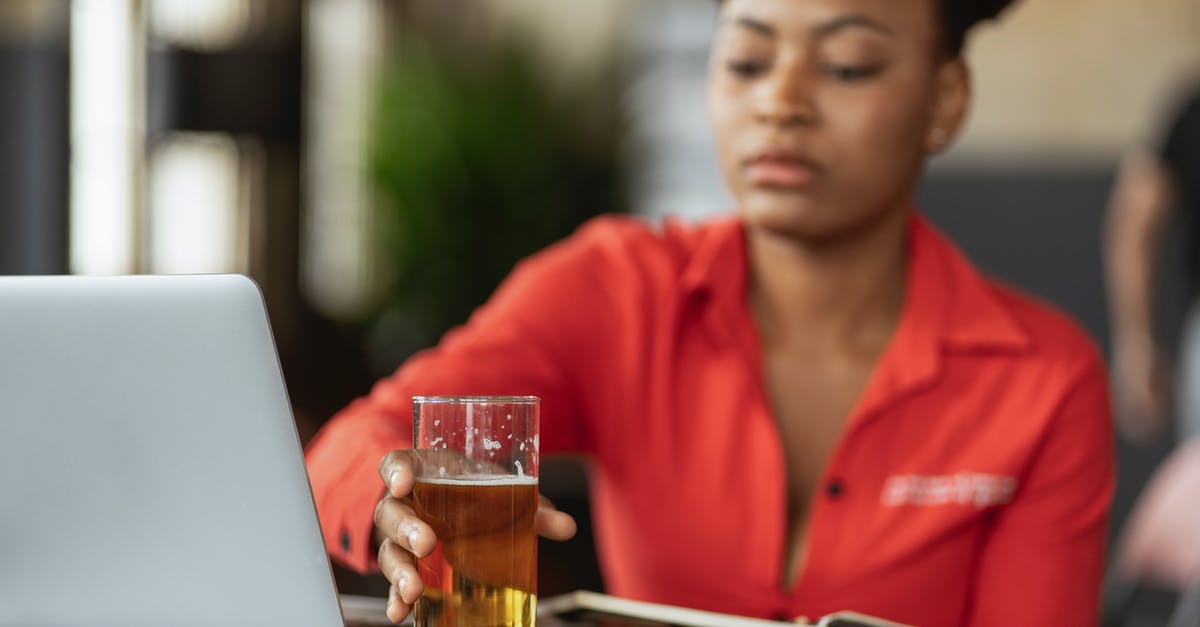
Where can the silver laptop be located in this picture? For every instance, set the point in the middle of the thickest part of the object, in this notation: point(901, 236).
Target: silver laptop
point(150, 472)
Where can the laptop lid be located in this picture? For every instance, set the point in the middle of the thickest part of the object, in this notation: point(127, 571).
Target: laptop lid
point(150, 471)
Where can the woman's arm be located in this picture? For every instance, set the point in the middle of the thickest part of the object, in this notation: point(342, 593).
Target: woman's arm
point(1137, 212)
point(542, 333)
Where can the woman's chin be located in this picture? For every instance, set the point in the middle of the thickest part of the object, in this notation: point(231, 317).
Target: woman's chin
point(803, 219)
point(808, 221)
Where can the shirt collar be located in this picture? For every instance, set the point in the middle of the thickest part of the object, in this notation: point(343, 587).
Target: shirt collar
point(718, 258)
point(949, 307)
point(952, 300)
point(949, 304)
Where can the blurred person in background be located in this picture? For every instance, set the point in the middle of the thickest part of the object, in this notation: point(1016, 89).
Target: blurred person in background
point(1161, 541)
point(816, 404)
point(1150, 184)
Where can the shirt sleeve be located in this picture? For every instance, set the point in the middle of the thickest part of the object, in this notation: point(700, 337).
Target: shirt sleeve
point(540, 333)
point(1043, 561)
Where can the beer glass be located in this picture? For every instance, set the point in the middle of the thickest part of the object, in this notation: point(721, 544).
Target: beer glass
point(476, 486)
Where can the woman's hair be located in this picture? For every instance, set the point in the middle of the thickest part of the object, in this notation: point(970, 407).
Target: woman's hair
point(959, 16)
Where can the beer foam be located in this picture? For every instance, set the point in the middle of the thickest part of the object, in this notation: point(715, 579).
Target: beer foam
point(478, 480)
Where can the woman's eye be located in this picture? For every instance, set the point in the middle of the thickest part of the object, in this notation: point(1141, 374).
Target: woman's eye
point(746, 69)
point(850, 73)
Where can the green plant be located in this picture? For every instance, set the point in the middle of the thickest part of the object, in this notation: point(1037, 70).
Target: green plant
point(476, 167)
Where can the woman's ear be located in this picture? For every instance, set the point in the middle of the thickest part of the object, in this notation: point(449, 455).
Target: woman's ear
point(951, 99)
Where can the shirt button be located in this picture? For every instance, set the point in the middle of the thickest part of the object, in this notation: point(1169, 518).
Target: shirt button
point(345, 540)
point(835, 488)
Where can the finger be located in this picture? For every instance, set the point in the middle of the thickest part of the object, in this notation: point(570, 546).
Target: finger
point(391, 557)
point(398, 522)
point(397, 565)
point(397, 609)
point(396, 470)
point(552, 523)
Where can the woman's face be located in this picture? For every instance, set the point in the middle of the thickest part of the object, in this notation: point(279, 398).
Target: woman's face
point(824, 110)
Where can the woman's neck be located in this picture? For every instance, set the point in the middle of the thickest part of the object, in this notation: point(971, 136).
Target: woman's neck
point(839, 294)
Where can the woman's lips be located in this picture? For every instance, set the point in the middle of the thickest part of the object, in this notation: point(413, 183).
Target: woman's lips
point(774, 171)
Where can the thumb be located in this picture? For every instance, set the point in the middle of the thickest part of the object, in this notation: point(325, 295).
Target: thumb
point(552, 523)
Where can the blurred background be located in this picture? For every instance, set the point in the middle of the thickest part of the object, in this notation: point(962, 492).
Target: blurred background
point(378, 165)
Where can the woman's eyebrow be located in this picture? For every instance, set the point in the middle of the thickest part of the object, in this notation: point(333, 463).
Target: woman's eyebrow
point(850, 20)
point(753, 24)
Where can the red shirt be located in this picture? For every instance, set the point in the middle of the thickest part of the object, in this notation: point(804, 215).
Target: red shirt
point(970, 484)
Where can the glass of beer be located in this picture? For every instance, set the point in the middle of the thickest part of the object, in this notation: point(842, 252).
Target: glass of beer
point(476, 486)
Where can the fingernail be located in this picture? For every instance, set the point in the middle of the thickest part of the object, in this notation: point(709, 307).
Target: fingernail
point(391, 604)
point(414, 537)
point(401, 584)
point(393, 478)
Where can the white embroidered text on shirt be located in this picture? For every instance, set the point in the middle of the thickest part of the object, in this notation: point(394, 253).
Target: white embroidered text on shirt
point(964, 488)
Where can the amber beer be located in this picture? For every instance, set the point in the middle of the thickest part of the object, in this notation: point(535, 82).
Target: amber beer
point(484, 569)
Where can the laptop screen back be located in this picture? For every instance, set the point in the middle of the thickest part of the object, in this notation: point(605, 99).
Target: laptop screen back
point(150, 472)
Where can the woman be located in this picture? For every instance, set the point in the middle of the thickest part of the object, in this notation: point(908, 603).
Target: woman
point(815, 405)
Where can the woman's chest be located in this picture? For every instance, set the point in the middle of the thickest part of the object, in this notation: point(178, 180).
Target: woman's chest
point(905, 494)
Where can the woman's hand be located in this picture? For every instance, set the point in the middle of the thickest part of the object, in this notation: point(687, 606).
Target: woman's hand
point(404, 537)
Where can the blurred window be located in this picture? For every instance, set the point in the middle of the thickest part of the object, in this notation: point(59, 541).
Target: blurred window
point(200, 204)
point(672, 163)
point(344, 49)
point(107, 133)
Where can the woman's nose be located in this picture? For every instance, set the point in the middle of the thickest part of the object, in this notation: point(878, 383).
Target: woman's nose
point(786, 95)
